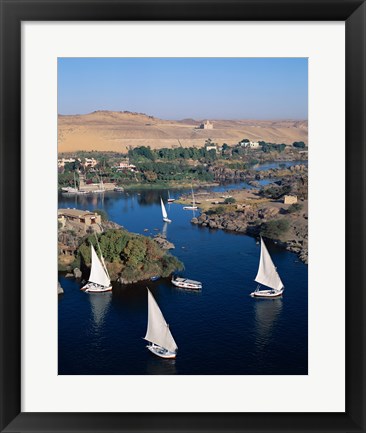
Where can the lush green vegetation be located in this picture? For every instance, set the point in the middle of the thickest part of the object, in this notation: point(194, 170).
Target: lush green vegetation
point(270, 147)
point(173, 171)
point(168, 166)
point(217, 210)
point(294, 208)
point(299, 144)
point(275, 191)
point(143, 153)
point(130, 256)
point(274, 229)
point(230, 200)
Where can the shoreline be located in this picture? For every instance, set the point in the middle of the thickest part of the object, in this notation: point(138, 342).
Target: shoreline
point(185, 185)
point(287, 245)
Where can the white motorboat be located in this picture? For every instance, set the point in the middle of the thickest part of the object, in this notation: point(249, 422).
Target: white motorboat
point(268, 276)
point(185, 283)
point(158, 334)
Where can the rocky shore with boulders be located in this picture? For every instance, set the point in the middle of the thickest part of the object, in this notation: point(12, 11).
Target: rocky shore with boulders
point(251, 220)
point(129, 257)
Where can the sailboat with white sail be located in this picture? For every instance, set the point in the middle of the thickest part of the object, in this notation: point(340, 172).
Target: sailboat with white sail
point(170, 199)
point(268, 276)
point(158, 334)
point(72, 190)
point(99, 280)
point(101, 188)
point(193, 206)
point(164, 212)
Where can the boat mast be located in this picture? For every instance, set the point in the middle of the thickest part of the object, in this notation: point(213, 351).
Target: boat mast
point(101, 257)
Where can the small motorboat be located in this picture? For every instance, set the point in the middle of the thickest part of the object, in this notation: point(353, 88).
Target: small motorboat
point(155, 278)
point(185, 283)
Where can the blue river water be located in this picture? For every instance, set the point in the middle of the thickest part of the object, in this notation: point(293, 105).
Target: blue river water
point(220, 330)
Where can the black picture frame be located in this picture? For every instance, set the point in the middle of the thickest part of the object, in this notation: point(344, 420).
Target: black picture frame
point(13, 12)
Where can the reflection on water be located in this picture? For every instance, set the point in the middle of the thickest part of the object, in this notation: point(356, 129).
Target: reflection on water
point(99, 303)
point(267, 312)
point(160, 366)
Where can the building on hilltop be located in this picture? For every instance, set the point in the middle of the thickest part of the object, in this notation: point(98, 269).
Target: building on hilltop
point(290, 199)
point(206, 125)
point(79, 217)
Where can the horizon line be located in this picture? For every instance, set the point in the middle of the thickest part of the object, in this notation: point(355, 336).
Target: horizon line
point(187, 118)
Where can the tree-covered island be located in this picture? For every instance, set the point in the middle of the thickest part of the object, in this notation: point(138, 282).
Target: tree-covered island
point(129, 257)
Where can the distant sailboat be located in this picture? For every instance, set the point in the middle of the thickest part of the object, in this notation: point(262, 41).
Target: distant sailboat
point(72, 190)
point(268, 276)
point(193, 207)
point(99, 280)
point(170, 200)
point(101, 187)
point(164, 212)
point(158, 334)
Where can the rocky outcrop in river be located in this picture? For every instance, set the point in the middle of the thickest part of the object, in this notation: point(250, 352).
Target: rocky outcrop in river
point(248, 219)
point(162, 241)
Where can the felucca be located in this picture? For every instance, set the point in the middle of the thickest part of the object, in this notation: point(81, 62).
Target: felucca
point(158, 334)
point(99, 280)
point(170, 200)
point(268, 276)
point(193, 207)
point(164, 212)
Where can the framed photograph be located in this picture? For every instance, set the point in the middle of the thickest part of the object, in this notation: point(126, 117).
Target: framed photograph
point(182, 231)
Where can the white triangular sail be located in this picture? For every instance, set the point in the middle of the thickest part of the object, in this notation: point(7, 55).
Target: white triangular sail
point(98, 274)
point(163, 210)
point(157, 329)
point(193, 200)
point(267, 273)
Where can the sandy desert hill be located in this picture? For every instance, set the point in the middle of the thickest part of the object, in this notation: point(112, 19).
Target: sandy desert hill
point(116, 131)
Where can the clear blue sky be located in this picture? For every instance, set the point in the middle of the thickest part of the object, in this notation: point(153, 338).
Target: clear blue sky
point(177, 88)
